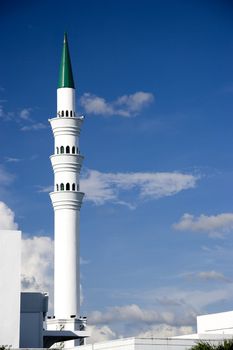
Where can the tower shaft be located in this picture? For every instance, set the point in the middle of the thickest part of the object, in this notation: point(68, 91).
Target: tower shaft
point(67, 200)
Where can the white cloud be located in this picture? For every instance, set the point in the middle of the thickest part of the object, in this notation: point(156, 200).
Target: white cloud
point(208, 276)
point(214, 225)
point(175, 315)
point(189, 301)
point(133, 320)
point(45, 189)
point(34, 127)
point(130, 313)
point(12, 160)
point(95, 187)
point(100, 188)
point(166, 331)
point(37, 265)
point(25, 113)
point(212, 275)
point(5, 177)
point(96, 105)
point(135, 102)
point(104, 187)
point(22, 118)
point(2, 113)
point(7, 218)
point(84, 261)
point(5, 115)
point(100, 334)
point(125, 106)
point(105, 333)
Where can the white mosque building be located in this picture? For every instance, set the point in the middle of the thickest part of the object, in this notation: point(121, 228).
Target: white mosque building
point(24, 321)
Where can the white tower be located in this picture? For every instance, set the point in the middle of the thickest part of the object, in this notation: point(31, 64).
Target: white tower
point(66, 199)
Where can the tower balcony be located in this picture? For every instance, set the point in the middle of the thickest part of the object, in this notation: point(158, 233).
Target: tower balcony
point(66, 125)
point(66, 162)
point(66, 200)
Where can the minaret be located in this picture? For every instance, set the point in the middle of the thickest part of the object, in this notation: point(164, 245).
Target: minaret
point(67, 200)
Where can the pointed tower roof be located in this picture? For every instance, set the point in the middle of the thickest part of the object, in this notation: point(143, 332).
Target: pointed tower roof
point(65, 75)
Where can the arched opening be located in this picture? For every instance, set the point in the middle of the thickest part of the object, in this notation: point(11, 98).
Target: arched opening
point(67, 187)
point(57, 187)
point(67, 149)
point(67, 113)
point(71, 114)
point(77, 150)
point(73, 150)
point(78, 187)
point(62, 149)
point(62, 187)
point(57, 148)
point(62, 113)
point(73, 187)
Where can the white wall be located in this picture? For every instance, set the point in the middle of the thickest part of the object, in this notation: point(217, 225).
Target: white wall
point(146, 344)
point(220, 323)
point(10, 262)
point(141, 344)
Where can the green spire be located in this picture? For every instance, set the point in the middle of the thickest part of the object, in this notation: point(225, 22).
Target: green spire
point(65, 75)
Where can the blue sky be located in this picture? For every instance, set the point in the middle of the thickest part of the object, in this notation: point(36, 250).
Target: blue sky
point(154, 80)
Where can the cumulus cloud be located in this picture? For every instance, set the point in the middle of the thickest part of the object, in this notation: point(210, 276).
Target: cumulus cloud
point(5, 115)
point(25, 113)
point(164, 316)
point(22, 118)
point(133, 320)
point(208, 276)
point(212, 276)
point(165, 331)
point(29, 123)
point(100, 334)
point(214, 225)
point(106, 333)
point(130, 313)
point(5, 177)
point(176, 315)
point(105, 187)
point(45, 189)
point(125, 106)
point(7, 218)
point(100, 188)
point(35, 127)
point(192, 301)
point(96, 105)
point(2, 112)
point(12, 160)
point(37, 265)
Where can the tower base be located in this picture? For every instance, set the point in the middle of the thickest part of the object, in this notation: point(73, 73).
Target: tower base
point(77, 326)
